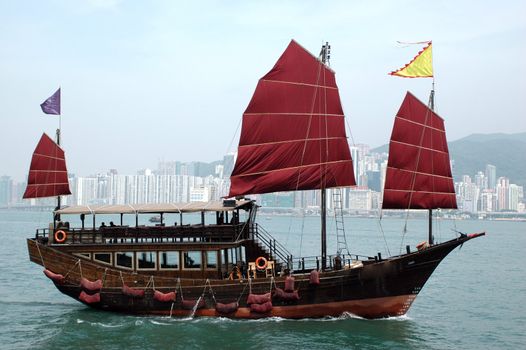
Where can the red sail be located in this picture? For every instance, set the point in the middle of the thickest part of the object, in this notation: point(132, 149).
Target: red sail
point(48, 175)
point(418, 171)
point(293, 134)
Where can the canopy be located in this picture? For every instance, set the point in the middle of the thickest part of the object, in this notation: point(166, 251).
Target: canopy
point(418, 170)
point(293, 132)
point(153, 208)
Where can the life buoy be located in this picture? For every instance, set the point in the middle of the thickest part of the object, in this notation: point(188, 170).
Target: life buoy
point(261, 263)
point(60, 236)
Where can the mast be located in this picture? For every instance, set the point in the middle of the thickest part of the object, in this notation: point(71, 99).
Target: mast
point(58, 143)
point(430, 211)
point(293, 132)
point(325, 55)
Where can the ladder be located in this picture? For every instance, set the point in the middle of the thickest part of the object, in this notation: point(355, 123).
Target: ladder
point(341, 240)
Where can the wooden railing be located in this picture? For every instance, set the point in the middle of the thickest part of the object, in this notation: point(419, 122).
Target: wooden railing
point(126, 234)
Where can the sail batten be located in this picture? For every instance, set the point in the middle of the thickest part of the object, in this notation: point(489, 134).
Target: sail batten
point(303, 84)
point(418, 172)
point(48, 175)
point(293, 132)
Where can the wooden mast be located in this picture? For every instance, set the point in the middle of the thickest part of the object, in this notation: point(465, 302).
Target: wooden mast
point(430, 216)
point(324, 56)
point(58, 143)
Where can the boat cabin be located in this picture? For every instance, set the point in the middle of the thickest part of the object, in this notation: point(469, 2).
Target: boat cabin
point(226, 244)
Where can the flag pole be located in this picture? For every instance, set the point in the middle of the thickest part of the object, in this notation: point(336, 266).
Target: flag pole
point(421, 66)
point(58, 143)
point(430, 216)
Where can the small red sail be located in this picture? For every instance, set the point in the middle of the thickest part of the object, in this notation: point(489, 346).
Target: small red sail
point(293, 133)
point(418, 170)
point(48, 175)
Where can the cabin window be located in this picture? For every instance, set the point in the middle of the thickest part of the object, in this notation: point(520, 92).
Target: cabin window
point(84, 255)
point(104, 258)
point(147, 260)
point(169, 260)
point(192, 259)
point(124, 259)
point(211, 259)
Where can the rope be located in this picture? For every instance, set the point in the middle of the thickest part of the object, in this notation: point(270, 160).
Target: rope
point(242, 229)
point(78, 262)
point(104, 277)
point(80, 269)
point(149, 281)
point(180, 288)
point(242, 292)
point(172, 308)
point(383, 235)
point(178, 284)
point(272, 282)
point(211, 291)
point(39, 253)
point(204, 288)
point(122, 278)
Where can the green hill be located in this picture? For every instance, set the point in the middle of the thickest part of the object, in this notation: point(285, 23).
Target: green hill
point(471, 154)
point(506, 151)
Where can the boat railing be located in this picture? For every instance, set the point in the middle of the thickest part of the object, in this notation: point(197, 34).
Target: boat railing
point(333, 262)
point(42, 233)
point(275, 248)
point(141, 234)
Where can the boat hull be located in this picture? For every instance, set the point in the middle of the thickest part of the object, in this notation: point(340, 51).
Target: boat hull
point(378, 289)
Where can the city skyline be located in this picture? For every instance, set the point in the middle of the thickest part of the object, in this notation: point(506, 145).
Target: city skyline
point(179, 182)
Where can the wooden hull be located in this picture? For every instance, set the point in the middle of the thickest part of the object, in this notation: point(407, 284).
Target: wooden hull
point(378, 289)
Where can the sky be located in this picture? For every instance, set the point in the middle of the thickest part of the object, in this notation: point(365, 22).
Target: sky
point(144, 81)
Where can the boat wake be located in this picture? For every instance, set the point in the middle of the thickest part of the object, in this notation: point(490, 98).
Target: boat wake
point(100, 324)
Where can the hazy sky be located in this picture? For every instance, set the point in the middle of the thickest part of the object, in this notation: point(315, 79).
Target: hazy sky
point(149, 80)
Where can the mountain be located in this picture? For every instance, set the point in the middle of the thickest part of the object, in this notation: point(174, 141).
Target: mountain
point(471, 154)
point(506, 151)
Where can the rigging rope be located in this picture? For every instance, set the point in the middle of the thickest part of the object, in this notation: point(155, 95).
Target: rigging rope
point(243, 291)
point(40, 253)
point(75, 265)
point(104, 277)
point(379, 222)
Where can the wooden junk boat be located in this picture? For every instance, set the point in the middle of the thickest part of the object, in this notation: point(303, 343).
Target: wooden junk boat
point(293, 138)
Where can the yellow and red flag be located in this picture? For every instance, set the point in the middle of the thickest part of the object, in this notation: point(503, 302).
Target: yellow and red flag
point(420, 67)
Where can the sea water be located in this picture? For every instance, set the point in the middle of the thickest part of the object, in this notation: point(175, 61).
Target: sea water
point(474, 300)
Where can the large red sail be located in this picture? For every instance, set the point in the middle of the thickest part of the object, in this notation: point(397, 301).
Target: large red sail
point(418, 170)
point(293, 133)
point(48, 175)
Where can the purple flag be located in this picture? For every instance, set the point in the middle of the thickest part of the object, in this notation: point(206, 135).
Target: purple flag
point(52, 104)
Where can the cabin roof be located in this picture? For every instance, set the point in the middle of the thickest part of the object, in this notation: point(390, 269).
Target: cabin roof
point(153, 208)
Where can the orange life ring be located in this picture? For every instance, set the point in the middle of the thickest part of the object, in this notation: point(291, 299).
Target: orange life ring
point(60, 236)
point(260, 266)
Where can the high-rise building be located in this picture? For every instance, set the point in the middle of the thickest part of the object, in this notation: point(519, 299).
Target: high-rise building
point(481, 181)
point(502, 190)
point(6, 187)
point(513, 197)
point(491, 175)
